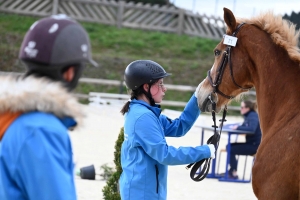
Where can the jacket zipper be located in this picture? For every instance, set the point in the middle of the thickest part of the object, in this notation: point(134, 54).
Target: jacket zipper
point(157, 172)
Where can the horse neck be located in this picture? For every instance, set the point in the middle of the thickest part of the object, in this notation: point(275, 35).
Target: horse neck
point(277, 84)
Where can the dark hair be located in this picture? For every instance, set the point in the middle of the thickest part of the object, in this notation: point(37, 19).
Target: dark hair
point(137, 92)
point(251, 105)
point(56, 73)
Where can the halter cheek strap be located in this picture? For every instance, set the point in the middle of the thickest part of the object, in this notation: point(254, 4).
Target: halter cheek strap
point(226, 58)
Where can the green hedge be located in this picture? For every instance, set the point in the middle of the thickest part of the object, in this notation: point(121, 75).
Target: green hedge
point(110, 190)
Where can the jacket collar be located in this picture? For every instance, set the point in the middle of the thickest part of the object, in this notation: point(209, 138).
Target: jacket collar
point(155, 109)
point(246, 114)
point(5, 120)
point(68, 122)
point(19, 94)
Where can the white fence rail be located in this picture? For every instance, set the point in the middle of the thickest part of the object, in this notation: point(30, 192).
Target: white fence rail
point(122, 14)
point(124, 97)
point(106, 98)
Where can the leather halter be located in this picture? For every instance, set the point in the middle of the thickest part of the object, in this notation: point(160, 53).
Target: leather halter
point(215, 138)
point(225, 58)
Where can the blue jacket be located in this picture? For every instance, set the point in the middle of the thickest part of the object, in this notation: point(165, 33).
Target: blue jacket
point(36, 158)
point(26, 166)
point(145, 153)
point(251, 123)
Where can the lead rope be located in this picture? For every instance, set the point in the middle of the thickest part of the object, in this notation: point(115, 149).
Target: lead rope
point(214, 139)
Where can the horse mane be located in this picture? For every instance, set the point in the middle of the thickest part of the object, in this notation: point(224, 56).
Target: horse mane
point(282, 32)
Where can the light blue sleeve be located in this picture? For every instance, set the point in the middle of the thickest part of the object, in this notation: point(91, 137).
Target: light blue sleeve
point(180, 126)
point(45, 166)
point(150, 136)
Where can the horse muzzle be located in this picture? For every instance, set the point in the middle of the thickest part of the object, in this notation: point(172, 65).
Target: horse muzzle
point(206, 104)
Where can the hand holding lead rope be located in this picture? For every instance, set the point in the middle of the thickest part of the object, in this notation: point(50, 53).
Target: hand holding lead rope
point(213, 140)
point(212, 149)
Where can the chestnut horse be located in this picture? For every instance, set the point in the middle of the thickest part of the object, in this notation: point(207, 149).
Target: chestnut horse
point(266, 57)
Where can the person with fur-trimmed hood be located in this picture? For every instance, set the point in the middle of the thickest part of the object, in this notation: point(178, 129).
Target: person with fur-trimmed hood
point(37, 110)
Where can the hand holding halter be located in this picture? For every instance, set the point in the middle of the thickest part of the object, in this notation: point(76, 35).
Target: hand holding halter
point(214, 139)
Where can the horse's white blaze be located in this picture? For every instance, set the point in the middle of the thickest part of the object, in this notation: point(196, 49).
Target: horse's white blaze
point(212, 68)
point(203, 92)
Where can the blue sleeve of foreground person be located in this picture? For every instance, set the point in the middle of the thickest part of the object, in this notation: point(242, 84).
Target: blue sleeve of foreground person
point(53, 170)
point(180, 126)
point(41, 166)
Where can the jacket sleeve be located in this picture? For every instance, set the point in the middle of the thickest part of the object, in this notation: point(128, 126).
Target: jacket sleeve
point(180, 126)
point(250, 123)
point(151, 138)
point(45, 166)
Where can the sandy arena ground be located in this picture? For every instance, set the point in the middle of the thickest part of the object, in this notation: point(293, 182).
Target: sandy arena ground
point(93, 144)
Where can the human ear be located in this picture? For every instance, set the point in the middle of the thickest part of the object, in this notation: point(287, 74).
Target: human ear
point(146, 87)
point(69, 74)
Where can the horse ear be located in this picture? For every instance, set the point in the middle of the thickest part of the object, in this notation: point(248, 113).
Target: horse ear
point(229, 19)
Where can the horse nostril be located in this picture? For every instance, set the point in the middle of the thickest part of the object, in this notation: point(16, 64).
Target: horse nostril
point(213, 97)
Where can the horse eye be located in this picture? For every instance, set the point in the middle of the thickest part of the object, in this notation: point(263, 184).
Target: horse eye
point(217, 52)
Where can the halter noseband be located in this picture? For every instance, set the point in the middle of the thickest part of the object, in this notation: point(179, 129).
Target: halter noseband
point(225, 58)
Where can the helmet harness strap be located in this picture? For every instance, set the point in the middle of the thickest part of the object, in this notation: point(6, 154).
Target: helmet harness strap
point(149, 96)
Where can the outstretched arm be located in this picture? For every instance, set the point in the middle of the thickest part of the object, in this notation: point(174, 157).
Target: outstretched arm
point(180, 126)
point(151, 138)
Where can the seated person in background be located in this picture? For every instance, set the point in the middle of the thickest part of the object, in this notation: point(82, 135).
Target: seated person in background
point(251, 123)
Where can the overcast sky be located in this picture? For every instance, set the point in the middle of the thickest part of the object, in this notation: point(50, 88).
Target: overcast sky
point(240, 8)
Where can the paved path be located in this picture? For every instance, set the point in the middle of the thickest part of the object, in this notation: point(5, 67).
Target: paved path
point(94, 143)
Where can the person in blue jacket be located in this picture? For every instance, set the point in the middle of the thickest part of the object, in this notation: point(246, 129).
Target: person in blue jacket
point(37, 110)
point(251, 123)
point(145, 154)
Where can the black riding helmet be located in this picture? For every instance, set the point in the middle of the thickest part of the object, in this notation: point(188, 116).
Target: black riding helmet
point(140, 72)
point(53, 44)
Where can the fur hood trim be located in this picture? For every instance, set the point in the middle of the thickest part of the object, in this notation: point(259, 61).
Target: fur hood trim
point(19, 94)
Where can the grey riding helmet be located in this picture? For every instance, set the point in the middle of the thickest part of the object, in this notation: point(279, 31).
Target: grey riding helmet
point(140, 72)
point(54, 43)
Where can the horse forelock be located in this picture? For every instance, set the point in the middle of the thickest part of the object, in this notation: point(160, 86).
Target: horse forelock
point(282, 32)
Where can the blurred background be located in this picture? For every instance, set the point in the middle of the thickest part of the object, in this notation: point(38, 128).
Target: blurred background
point(178, 34)
point(239, 8)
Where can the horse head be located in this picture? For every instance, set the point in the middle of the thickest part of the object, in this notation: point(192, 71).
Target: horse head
point(262, 53)
point(230, 74)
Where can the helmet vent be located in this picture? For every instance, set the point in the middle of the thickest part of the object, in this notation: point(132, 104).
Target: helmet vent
point(154, 69)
